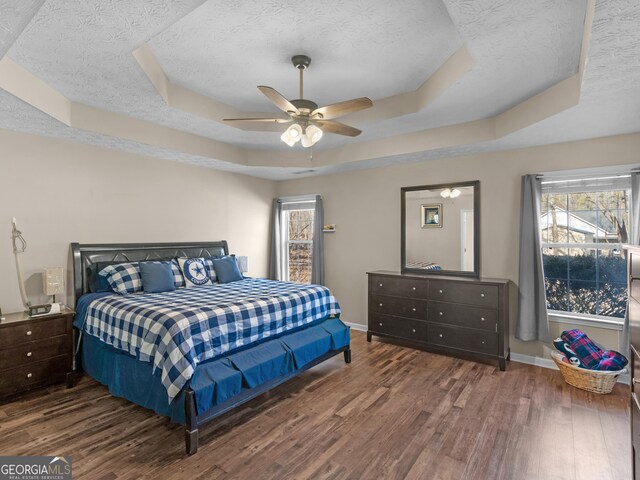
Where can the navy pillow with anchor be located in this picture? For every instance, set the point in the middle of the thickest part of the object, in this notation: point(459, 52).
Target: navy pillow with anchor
point(194, 271)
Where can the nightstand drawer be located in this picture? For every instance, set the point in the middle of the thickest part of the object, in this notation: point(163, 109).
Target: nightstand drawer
point(33, 352)
point(464, 339)
point(32, 330)
point(40, 373)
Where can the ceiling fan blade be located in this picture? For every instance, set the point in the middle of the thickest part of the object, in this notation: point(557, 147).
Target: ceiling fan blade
point(339, 109)
point(278, 100)
point(268, 120)
point(337, 127)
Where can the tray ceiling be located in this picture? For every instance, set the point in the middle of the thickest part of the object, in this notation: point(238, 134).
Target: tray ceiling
point(486, 70)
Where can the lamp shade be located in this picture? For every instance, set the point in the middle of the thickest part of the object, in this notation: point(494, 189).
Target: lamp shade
point(53, 279)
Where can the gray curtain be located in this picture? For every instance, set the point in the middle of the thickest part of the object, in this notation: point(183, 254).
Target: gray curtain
point(317, 270)
point(634, 239)
point(533, 323)
point(276, 260)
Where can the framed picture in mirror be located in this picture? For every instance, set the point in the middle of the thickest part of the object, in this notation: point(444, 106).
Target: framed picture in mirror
point(431, 215)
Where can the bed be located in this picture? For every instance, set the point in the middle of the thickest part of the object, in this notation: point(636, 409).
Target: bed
point(193, 354)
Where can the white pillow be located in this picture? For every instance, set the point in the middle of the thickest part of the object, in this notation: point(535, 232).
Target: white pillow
point(195, 272)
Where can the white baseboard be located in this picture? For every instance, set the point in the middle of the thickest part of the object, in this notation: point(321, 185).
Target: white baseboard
point(515, 357)
point(356, 326)
point(548, 363)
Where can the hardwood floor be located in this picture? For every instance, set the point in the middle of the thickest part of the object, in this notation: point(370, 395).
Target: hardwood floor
point(394, 412)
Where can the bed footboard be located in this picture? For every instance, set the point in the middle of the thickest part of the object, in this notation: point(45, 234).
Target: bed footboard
point(194, 421)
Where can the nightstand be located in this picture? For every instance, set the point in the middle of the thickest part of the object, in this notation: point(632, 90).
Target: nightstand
point(35, 352)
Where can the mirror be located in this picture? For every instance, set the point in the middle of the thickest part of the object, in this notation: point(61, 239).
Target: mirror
point(440, 229)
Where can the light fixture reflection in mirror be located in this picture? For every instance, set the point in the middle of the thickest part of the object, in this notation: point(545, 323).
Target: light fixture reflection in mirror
point(449, 193)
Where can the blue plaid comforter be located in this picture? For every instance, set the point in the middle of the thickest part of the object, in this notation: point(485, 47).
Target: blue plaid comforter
point(177, 330)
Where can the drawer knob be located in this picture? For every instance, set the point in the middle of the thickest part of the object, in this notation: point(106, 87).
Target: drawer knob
point(440, 291)
point(482, 294)
point(441, 313)
point(414, 330)
point(440, 335)
point(483, 342)
point(29, 354)
point(414, 288)
point(29, 375)
point(380, 284)
point(414, 309)
point(28, 332)
point(380, 304)
point(482, 319)
point(380, 324)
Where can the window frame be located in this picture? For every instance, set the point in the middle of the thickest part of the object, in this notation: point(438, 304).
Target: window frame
point(561, 316)
point(289, 204)
point(287, 242)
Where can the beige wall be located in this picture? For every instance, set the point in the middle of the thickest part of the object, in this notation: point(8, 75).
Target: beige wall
point(364, 241)
point(63, 192)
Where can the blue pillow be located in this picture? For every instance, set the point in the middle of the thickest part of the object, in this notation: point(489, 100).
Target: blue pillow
point(227, 269)
point(157, 277)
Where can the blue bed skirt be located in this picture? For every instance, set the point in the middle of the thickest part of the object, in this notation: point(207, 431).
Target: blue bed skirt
point(214, 381)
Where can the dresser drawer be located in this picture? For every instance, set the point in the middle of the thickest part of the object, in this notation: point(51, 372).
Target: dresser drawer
point(398, 327)
point(32, 330)
point(469, 294)
point(33, 352)
point(402, 307)
point(463, 316)
point(40, 373)
point(462, 338)
point(398, 286)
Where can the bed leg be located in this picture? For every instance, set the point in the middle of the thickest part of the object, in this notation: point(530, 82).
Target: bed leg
point(191, 430)
point(347, 355)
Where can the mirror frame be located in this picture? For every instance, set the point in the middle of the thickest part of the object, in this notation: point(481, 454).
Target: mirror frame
point(476, 229)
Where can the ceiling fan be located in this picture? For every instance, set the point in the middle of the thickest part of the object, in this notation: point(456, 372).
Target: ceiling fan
point(308, 120)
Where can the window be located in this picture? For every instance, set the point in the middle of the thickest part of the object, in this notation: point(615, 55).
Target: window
point(297, 235)
point(584, 223)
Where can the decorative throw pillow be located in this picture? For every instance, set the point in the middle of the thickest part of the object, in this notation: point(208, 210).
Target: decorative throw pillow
point(178, 278)
point(227, 269)
point(157, 277)
point(194, 271)
point(208, 262)
point(123, 277)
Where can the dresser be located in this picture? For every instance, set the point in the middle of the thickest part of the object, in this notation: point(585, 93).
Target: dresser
point(634, 360)
point(454, 315)
point(35, 352)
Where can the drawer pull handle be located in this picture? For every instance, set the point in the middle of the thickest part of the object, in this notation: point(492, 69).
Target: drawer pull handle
point(29, 375)
point(28, 332)
point(482, 319)
point(440, 291)
point(482, 342)
point(414, 309)
point(380, 304)
point(414, 330)
point(414, 288)
point(29, 354)
point(441, 313)
point(482, 294)
point(440, 335)
point(380, 324)
point(380, 284)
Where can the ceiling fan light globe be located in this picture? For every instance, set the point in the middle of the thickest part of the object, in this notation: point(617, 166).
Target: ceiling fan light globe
point(295, 131)
point(288, 139)
point(313, 133)
point(306, 142)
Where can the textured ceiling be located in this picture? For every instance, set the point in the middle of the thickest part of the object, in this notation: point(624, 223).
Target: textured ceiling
point(83, 49)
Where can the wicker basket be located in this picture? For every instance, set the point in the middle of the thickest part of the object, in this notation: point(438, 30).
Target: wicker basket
point(590, 380)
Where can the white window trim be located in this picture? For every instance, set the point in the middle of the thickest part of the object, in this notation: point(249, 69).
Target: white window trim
point(586, 320)
point(285, 232)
